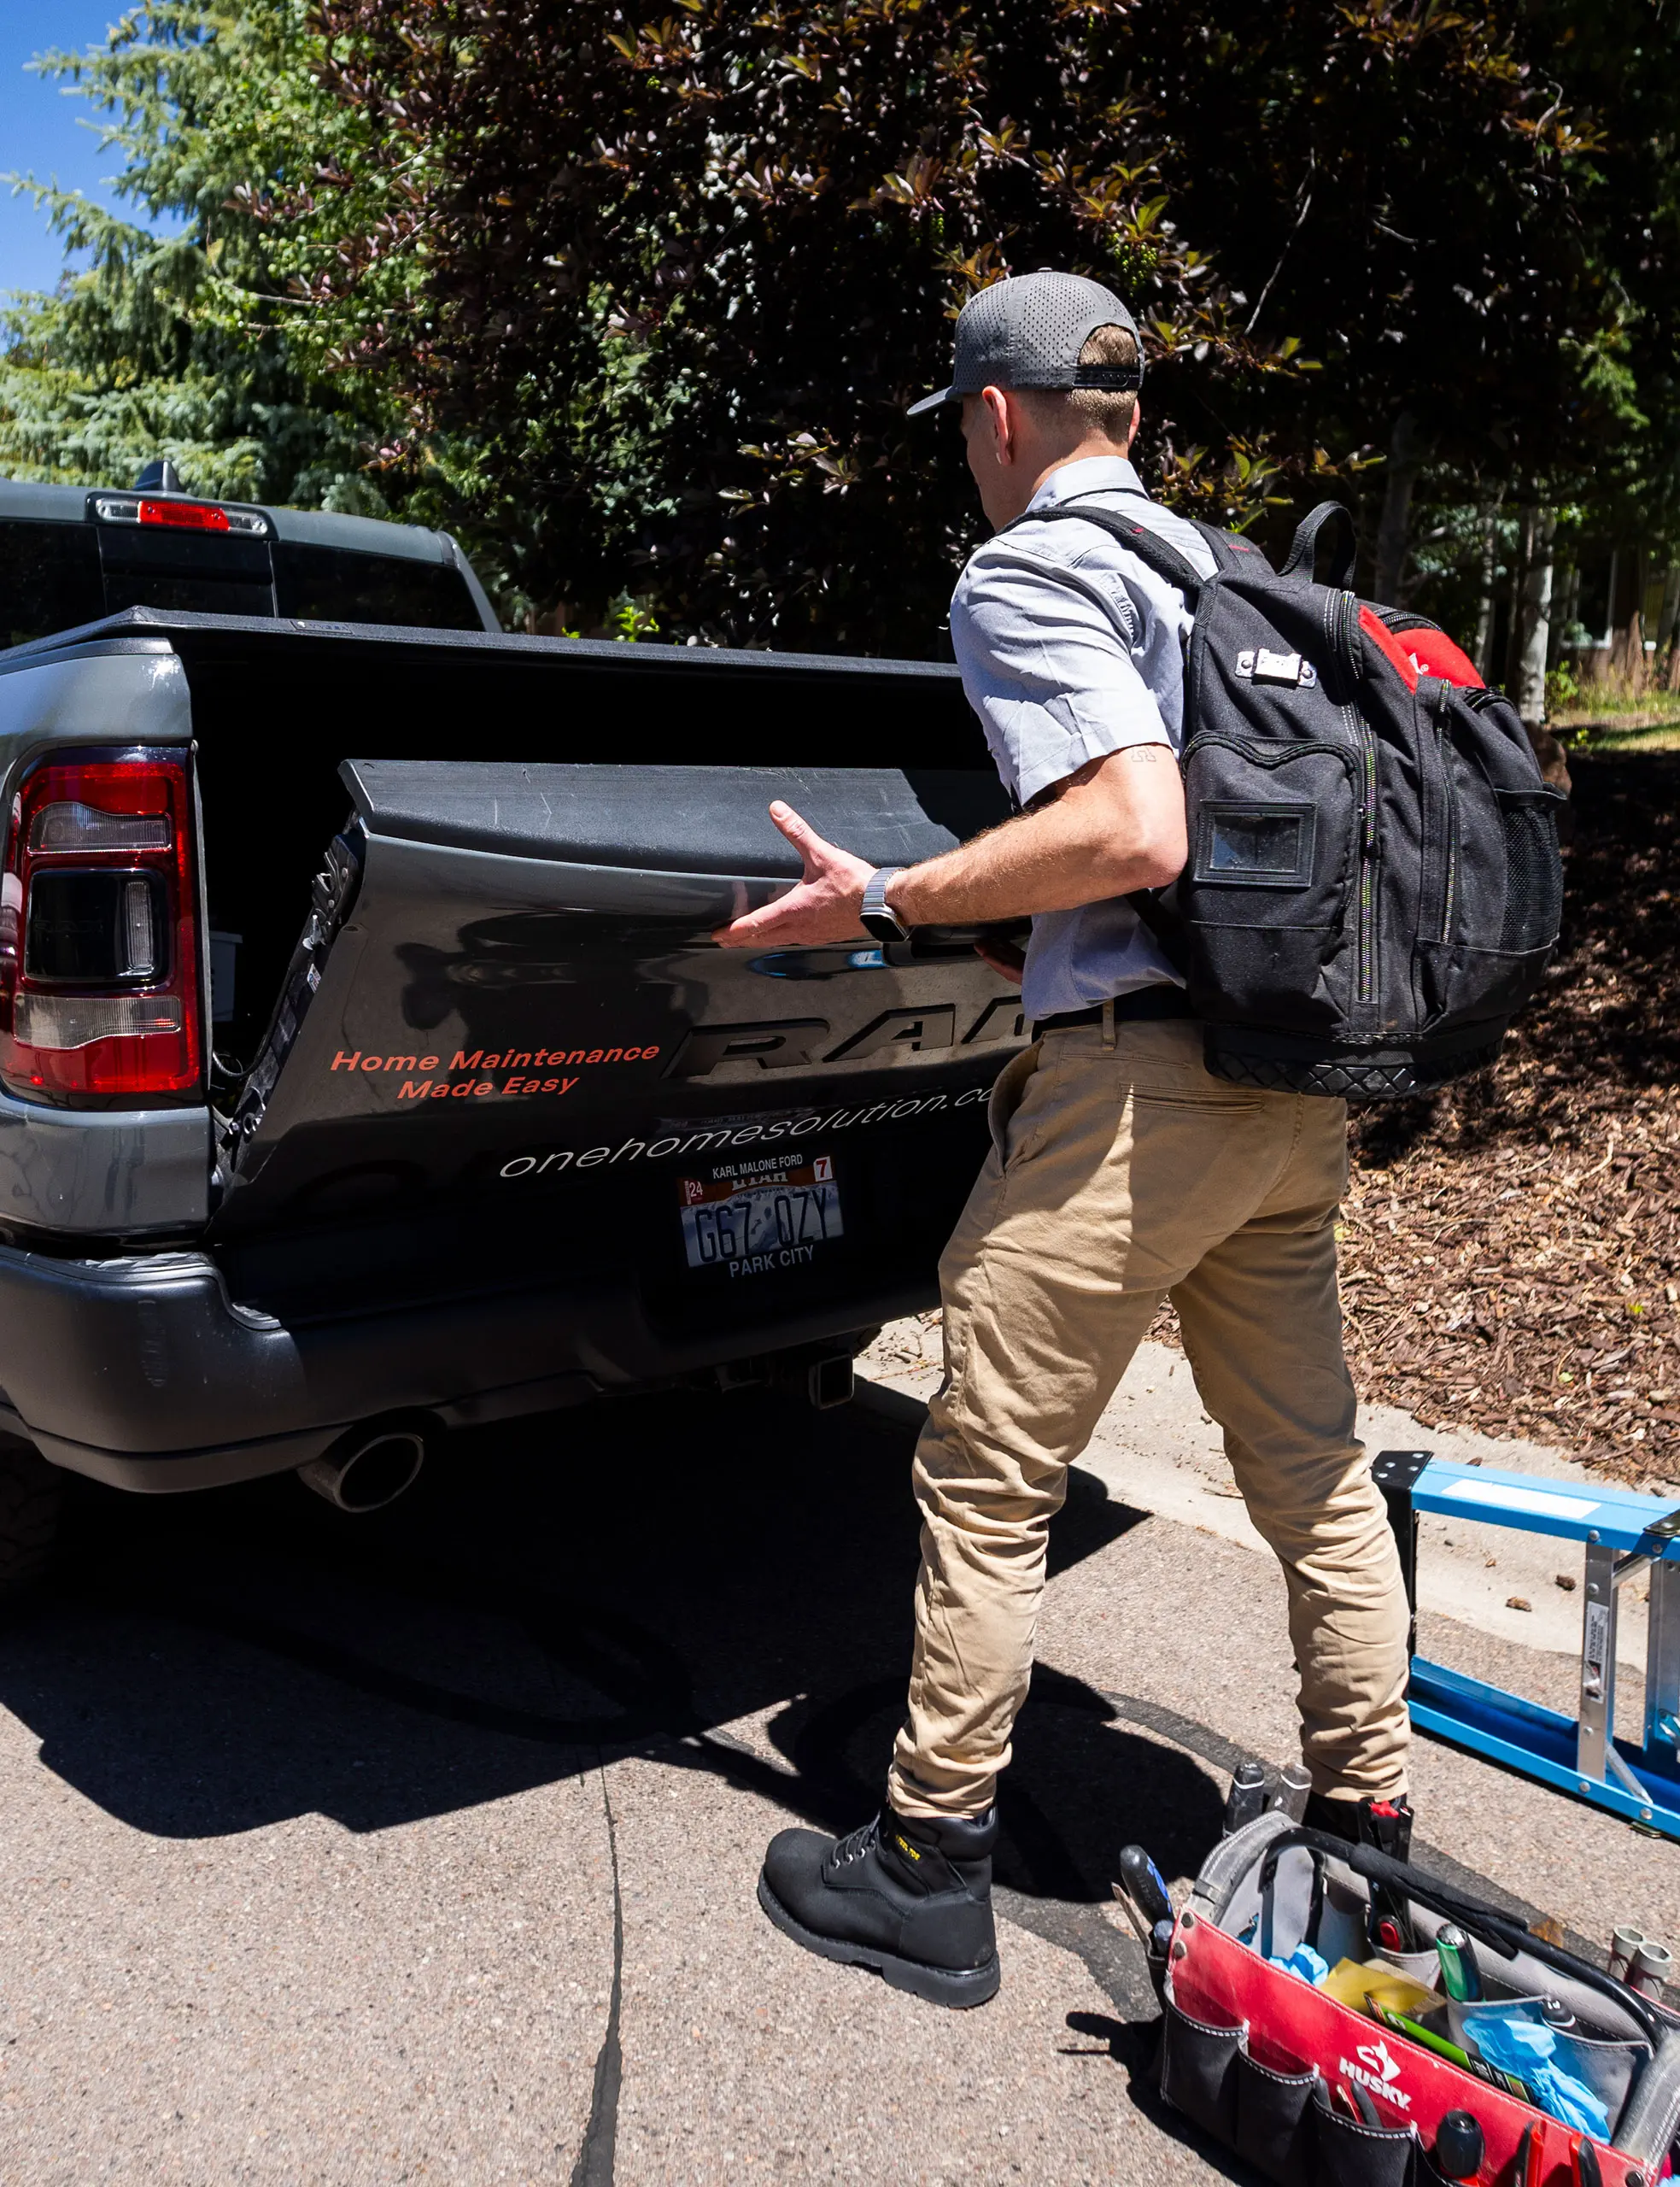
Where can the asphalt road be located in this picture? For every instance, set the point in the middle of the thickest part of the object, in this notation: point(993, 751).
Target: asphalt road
point(422, 1846)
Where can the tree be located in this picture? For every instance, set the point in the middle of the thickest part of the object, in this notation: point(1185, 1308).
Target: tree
point(760, 216)
point(187, 345)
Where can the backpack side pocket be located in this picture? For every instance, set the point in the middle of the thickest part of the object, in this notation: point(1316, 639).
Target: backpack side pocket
point(1490, 919)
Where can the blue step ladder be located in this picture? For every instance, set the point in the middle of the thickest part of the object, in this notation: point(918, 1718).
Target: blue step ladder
point(1623, 1536)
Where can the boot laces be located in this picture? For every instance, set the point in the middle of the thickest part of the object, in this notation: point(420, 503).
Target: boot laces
point(858, 1845)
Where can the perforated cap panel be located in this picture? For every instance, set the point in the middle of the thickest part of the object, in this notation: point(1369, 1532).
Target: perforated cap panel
point(1027, 331)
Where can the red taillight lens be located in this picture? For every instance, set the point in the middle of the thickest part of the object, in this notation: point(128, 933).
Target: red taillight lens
point(184, 516)
point(98, 931)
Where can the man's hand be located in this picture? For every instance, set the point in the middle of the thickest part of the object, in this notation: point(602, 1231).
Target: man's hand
point(822, 906)
point(1005, 957)
point(1114, 825)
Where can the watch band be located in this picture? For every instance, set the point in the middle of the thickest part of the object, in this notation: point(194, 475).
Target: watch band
point(878, 918)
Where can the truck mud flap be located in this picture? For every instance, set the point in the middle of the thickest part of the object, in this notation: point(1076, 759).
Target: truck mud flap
point(509, 1057)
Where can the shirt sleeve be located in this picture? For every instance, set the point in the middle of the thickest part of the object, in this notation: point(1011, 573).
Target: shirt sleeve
point(1049, 656)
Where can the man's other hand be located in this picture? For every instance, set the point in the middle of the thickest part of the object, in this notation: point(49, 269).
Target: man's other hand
point(824, 906)
point(1005, 957)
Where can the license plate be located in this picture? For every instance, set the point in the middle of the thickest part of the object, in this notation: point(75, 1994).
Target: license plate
point(778, 1217)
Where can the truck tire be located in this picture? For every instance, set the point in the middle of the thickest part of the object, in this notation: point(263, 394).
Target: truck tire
point(30, 1494)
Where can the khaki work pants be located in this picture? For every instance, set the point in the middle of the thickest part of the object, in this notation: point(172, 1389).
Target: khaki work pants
point(1117, 1174)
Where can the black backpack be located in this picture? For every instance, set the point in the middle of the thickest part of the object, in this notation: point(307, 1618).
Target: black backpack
point(1373, 885)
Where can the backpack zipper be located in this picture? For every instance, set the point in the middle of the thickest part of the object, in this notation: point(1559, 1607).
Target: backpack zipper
point(1341, 616)
point(1449, 794)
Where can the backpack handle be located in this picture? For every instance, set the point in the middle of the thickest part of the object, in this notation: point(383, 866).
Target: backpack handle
point(1302, 561)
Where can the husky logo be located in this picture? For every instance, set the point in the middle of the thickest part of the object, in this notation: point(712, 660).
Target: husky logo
point(1377, 2070)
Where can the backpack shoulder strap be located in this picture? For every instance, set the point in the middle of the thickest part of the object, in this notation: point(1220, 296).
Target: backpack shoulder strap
point(1150, 549)
point(1231, 550)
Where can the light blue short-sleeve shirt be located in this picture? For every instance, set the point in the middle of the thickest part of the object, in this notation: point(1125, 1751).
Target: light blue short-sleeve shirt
point(1071, 649)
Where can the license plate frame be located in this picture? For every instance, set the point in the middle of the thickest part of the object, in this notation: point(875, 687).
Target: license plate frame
point(756, 1218)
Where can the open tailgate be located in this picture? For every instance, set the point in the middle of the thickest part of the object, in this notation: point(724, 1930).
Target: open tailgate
point(508, 1056)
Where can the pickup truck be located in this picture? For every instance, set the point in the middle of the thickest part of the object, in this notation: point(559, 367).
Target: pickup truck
point(366, 1069)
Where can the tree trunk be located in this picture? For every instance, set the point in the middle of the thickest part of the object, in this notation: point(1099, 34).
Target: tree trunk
point(1540, 529)
point(1534, 642)
point(1627, 642)
point(1663, 662)
point(1511, 675)
point(1482, 653)
point(1408, 449)
point(1570, 614)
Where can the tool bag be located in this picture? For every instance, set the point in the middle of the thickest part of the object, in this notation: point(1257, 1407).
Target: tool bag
point(1373, 885)
point(1266, 2063)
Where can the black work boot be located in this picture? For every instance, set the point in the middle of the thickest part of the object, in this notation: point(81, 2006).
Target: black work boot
point(912, 1898)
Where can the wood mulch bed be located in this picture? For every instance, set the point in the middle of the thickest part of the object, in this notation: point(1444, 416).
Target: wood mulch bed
point(1511, 1248)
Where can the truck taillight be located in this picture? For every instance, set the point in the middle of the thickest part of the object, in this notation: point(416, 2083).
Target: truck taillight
point(99, 949)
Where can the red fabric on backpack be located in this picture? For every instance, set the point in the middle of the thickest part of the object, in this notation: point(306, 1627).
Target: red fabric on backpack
point(1421, 652)
point(1437, 654)
point(1385, 641)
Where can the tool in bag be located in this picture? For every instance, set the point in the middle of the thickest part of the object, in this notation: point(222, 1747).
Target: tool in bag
point(1370, 2073)
point(1374, 887)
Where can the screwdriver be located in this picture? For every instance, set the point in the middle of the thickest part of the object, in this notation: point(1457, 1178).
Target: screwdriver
point(1142, 1884)
point(1460, 1976)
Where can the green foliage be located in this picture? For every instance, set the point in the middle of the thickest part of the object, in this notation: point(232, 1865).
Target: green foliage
point(1321, 211)
point(197, 345)
point(1563, 686)
point(635, 307)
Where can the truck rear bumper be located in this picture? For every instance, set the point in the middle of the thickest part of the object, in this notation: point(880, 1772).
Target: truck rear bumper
point(144, 1372)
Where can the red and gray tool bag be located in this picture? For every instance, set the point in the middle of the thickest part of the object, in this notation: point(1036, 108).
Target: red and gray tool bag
point(1266, 2063)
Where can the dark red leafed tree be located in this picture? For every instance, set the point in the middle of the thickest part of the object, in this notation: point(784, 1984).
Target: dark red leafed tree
point(673, 281)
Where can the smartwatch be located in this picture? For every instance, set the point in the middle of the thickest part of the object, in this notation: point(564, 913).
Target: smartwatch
point(877, 914)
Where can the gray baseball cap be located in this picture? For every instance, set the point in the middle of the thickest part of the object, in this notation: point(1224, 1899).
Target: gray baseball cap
point(1027, 331)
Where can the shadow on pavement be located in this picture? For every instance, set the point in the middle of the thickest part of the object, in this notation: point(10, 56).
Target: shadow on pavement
point(633, 1576)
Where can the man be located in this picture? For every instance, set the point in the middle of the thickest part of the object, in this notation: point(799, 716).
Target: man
point(1120, 1170)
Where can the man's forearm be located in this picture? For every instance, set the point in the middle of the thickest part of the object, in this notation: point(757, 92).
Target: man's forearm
point(1116, 825)
point(1082, 847)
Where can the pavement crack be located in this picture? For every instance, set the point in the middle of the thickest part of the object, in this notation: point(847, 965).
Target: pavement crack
point(595, 2159)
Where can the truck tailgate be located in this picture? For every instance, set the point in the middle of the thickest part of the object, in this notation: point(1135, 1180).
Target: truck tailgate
point(510, 1059)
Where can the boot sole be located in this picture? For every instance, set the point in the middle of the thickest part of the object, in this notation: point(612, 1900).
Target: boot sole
point(957, 1987)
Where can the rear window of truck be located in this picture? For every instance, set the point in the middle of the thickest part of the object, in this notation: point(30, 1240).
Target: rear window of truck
point(334, 584)
point(49, 579)
point(53, 577)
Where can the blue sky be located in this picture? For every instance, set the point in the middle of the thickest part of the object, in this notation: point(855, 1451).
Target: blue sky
point(41, 131)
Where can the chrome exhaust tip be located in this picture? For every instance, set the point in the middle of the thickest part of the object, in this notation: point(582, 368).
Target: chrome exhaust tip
point(365, 1471)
